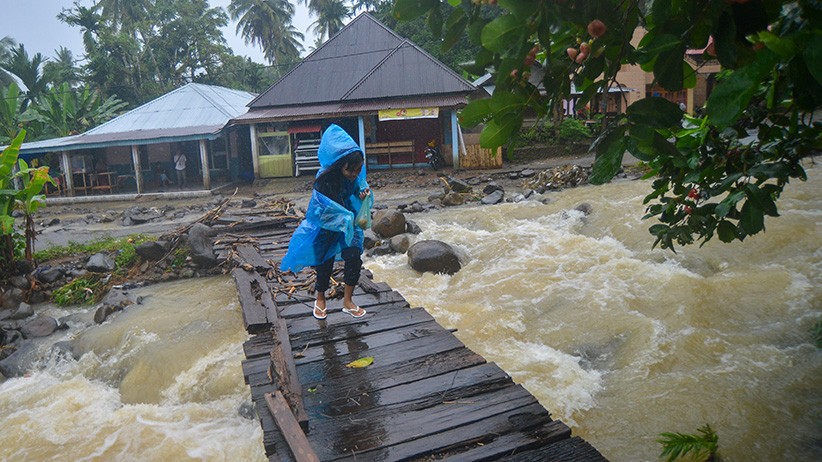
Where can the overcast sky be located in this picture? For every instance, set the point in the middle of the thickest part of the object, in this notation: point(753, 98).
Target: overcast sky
point(34, 23)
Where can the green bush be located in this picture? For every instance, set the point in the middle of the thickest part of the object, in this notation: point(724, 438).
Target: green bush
point(573, 130)
point(80, 291)
point(105, 244)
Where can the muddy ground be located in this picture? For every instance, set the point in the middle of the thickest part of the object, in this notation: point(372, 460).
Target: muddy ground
point(59, 224)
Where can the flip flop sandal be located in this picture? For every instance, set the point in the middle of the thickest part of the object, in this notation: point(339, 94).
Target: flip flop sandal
point(322, 312)
point(355, 310)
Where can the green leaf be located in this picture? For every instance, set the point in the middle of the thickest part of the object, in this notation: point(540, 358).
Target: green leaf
point(454, 28)
point(502, 33)
point(761, 199)
point(726, 231)
point(405, 10)
point(668, 69)
point(360, 363)
point(656, 44)
point(732, 95)
point(499, 131)
point(475, 112)
point(455, 3)
point(654, 111)
point(813, 57)
point(521, 8)
point(504, 102)
point(752, 218)
point(783, 47)
point(689, 75)
point(610, 149)
point(435, 22)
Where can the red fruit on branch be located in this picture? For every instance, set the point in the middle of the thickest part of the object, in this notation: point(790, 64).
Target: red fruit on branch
point(597, 28)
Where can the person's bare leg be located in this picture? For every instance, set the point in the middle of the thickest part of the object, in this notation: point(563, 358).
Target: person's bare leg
point(349, 303)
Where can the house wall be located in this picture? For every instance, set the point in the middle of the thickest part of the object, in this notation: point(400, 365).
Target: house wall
point(421, 131)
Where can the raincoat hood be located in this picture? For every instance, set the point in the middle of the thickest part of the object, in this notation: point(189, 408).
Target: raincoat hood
point(334, 145)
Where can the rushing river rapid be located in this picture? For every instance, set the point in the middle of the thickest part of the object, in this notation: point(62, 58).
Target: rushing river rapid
point(619, 341)
point(623, 342)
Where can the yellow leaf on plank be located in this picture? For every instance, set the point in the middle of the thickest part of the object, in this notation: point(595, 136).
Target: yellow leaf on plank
point(362, 362)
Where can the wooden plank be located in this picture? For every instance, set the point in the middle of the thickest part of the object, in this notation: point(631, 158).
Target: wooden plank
point(284, 372)
point(253, 300)
point(302, 296)
point(274, 444)
point(573, 449)
point(429, 391)
point(305, 332)
point(512, 443)
point(334, 305)
point(333, 353)
point(480, 432)
point(258, 345)
point(248, 254)
point(293, 434)
point(391, 425)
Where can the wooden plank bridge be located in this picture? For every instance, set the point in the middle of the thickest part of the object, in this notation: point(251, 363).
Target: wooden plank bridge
point(425, 396)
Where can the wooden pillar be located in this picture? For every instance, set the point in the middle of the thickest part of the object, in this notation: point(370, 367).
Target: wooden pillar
point(204, 164)
point(67, 173)
point(455, 153)
point(255, 150)
point(138, 170)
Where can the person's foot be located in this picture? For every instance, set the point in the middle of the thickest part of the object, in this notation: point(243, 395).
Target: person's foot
point(353, 310)
point(319, 312)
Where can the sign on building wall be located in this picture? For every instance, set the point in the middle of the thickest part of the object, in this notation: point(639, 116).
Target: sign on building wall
point(410, 113)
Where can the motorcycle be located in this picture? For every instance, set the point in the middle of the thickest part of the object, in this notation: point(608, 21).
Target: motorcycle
point(433, 156)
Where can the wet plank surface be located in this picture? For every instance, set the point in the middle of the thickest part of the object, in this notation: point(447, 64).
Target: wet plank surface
point(425, 396)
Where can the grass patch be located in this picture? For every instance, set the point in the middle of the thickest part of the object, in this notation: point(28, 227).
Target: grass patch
point(81, 291)
point(106, 244)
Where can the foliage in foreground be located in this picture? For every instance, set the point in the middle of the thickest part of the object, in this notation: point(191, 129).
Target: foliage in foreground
point(80, 291)
point(720, 174)
point(817, 334)
point(124, 245)
point(702, 446)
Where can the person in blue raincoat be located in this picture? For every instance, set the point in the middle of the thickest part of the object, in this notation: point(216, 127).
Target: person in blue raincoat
point(328, 231)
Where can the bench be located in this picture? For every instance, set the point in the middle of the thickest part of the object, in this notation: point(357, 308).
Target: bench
point(390, 149)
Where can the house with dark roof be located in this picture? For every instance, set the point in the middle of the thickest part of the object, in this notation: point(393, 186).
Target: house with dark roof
point(130, 153)
point(390, 95)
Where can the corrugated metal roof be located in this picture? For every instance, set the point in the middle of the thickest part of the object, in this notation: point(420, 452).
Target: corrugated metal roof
point(336, 109)
point(365, 60)
point(193, 111)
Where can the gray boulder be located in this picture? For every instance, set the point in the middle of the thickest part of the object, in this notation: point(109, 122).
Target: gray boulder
point(152, 250)
point(527, 173)
point(388, 223)
point(453, 198)
point(49, 274)
point(433, 256)
point(23, 311)
point(100, 263)
point(494, 198)
point(491, 187)
point(459, 186)
point(412, 227)
point(202, 252)
point(382, 249)
point(11, 298)
point(585, 208)
point(41, 326)
point(400, 243)
point(370, 238)
point(21, 282)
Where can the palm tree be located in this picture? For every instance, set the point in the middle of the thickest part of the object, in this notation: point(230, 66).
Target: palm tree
point(89, 21)
point(6, 45)
point(267, 23)
point(62, 68)
point(27, 70)
point(330, 15)
point(124, 14)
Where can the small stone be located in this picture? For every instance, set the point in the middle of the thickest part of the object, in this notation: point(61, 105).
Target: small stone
point(41, 326)
point(100, 263)
point(494, 198)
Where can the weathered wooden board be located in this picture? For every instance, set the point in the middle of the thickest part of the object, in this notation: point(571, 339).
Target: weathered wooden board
point(573, 449)
point(343, 326)
point(334, 305)
point(393, 425)
point(255, 300)
point(251, 256)
point(456, 440)
point(295, 438)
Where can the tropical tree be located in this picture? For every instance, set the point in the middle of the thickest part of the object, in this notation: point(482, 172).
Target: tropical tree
point(330, 16)
point(28, 70)
point(11, 110)
point(124, 14)
point(64, 111)
point(268, 24)
point(715, 175)
point(62, 69)
point(6, 45)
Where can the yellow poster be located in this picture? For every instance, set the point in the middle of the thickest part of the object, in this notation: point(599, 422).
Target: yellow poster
point(410, 113)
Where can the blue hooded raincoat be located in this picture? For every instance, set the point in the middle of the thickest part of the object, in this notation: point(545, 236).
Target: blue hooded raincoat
point(325, 213)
